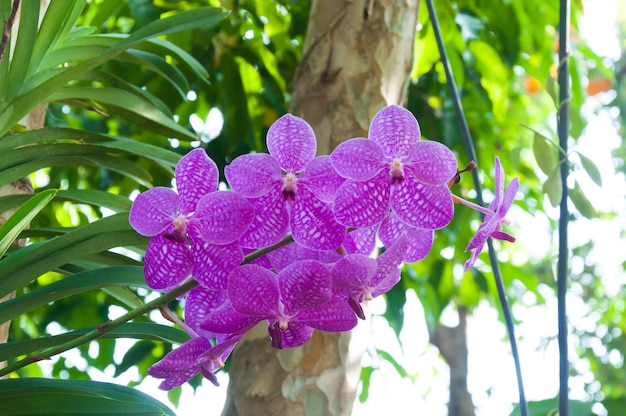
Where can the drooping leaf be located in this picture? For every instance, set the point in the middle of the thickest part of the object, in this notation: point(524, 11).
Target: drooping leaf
point(38, 396)
point(366, 378)
point(553, 187)
point(545, 153)
point(591, 169)
point(22, 217)
point(581, 202)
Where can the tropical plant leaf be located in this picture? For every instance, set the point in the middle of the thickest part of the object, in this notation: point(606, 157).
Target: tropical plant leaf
point(581, 202)
point(553, 187)
point(545, 153)
point(134, 330)
point(27, 263)
point(72, 285)
point(39, 396)
point(11, 229)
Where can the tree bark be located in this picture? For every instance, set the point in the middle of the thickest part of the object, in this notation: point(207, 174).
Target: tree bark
point(357, 58)
point(452, 344)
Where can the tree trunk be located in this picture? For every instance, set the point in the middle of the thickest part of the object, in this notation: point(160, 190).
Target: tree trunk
point(357, 58)
point(452, 344)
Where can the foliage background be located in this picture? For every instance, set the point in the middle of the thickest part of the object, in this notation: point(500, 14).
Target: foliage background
point(503, 56)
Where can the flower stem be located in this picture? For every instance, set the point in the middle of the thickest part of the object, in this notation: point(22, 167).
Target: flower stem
point(469, 146)
point(472, 205)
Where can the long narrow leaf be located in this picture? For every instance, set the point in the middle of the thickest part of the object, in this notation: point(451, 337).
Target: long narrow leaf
point(135, 330)
point(39, 396)
point(22, 217)
point(202, 17)
point(78, 283)
point(29, 19)
point(28, 263)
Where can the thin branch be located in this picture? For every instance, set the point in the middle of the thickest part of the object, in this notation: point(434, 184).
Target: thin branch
point(562, 269)
point(7, 26)
point(469, 147)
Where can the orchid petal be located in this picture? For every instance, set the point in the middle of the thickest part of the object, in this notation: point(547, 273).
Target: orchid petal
point(431, 162)
point(222, 217)
point(213, 263)
point(153, 211)
point(295, 335)
point(362, 204)
point(422, 206)
point(358, 159)
point(304, 284)
point(387, 272)
point(485, 230)
point(336, 315)
point(501, 235)
point(473, 257)
point(313, 224)
point(226, 320)
point(395, 129)
point(499, 176)
point(361, 240)
point(320, 176)
point(253, 175)
point(291, 141)
point(166, 263)
point(180, 365)
point(270, 223)
point(290, 253)
point(253, 291)
point(199, 304)
point(420, 241)
point(196, 175)
point(353, 272)
point(509, 197)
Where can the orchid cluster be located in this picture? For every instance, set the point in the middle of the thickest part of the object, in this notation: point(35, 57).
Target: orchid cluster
point(317, 222)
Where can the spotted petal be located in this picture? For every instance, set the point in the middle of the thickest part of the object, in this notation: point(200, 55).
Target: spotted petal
point(509, 197)
point(253, 290)
point(167, 263)
point(200, 302)
point(295, 335)
point(213, 263)
point(353, 272)
point(180, 365)
point(361, 240)
point(304, 284)
point(358, 159)
point(313, 224)
point(270, 223)
point(336, 315)
point(431, 162)
point(222, 217)
point(196, 175)
point(362, 204)
point(420, 241)
point(226, 320)
point(395, 129)
point(291, 141)
point(320, 176)
point(387, 273)
point(253, 175)
point(153, 211)
point(422, 206)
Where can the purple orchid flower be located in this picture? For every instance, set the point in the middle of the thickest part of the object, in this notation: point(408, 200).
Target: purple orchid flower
point(420, 241)
point(195, 356)
point(362, 278)
point(183, 226)
point(295, 301)
point(394, 169)
point(289, 188)
point(495, 216)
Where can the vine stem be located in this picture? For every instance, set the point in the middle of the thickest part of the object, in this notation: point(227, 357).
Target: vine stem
point(562, 268)
point(128, 316)
point(469, 147)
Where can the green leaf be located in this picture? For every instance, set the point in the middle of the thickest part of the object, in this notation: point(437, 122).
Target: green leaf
point(72, 285)
point(134, 330)
point(27, 263)
point(39, 396)
point(366, 378)
point(394, 313)
point(551, 407)
point(545, 153)
point(553, 187)
point(591, 169)
point(582, 204)
point(388, 357)
point(20, 61)
point(22, 217)
point(133, 356)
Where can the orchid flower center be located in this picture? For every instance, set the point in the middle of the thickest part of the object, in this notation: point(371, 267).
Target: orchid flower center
point(396, 172)
point(290, 185)
point(179, 233)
